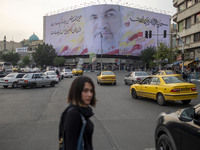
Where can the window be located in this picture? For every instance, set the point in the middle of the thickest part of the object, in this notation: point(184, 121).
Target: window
point(197, 18)
point(187, 40)
point(180, 26)
point(197, 37)
point(146, 81)
point(182, 7)
point(155, 81)
point(179, 42)
point(189, 3)
point(188, 23)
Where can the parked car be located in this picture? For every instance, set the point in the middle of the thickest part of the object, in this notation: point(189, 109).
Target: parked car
point(164, 88)
point(178, 130)
point(11, 80)
point(65, 73)
point(52, 75)
point(135, 77)
point(36, 79)
point(77, 71)
point(167, 72)
point(106, 77)
point(2, 74)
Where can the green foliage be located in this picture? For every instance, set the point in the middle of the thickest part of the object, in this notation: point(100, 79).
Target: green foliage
point(11, 57)
point(59, 61)
point(44, 55)
point(147, 56)
point(26, 60)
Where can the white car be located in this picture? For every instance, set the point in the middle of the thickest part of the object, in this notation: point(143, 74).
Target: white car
point(11, 80)
point(52, 75)
point(66, 73)
point(135, 77)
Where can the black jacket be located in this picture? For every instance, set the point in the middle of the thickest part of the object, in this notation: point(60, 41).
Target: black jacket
point(71, 122)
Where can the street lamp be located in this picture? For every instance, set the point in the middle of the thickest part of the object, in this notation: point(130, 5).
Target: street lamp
point(101, 35)
point(182, 50)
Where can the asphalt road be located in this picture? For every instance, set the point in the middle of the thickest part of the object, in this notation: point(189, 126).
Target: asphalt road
point(29, 118)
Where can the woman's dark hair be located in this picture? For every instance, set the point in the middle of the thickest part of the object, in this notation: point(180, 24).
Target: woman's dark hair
point(77, 88)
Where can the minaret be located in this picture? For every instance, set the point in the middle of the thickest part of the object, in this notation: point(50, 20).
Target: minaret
point(4, 41)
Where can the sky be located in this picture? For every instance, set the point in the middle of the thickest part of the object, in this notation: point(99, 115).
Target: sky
point(19, 19)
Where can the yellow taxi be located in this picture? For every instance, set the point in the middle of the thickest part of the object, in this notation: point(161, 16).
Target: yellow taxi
point(14, 69)
point(167, 72)
point(106, 77)
point(77, 71)
point(164, 88)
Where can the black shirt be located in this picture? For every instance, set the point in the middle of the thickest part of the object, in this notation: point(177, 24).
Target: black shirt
point(71, 122)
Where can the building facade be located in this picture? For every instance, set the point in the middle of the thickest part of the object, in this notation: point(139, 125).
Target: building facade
point(188, 29)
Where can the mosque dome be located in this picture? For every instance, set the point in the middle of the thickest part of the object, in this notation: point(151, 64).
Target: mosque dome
point(33, 38)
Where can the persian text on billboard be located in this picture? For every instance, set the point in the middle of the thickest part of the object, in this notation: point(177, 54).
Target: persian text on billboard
point(114, 29)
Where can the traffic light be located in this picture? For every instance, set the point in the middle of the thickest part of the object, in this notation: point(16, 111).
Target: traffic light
point(165, 34)
point(150, 33)
point(146, 34)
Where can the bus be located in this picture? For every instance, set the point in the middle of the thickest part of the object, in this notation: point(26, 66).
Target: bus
point(5, 66)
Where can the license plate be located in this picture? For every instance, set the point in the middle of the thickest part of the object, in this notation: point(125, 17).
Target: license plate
point(185, 89)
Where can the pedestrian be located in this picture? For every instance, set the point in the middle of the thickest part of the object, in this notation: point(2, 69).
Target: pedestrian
point(189, 75)
point(81, 97)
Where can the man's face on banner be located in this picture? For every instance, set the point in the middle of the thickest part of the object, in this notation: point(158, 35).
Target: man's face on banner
point(105, 20)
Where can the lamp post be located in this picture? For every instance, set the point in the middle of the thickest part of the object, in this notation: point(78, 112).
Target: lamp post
point(101, 35)
point(182, 50)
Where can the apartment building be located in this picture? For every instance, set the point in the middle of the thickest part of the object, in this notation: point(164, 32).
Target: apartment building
point(188, 29)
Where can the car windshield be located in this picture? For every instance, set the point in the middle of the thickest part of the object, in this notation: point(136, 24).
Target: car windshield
point(172, 79)
point(107, 73)
point(141, 74)
point(51, 73)
point(78, 69)
point(169, 72)
point(27, 76)
point(10, 75)
point(67, 70)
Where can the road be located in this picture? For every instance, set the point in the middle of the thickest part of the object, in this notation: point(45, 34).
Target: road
point(29, 118)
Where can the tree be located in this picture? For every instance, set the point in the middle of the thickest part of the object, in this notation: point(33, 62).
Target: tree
point(44, 55)
point(26, 60)
point(59, 61)
point(11, 57)
point(147, 56)
point(163, 54)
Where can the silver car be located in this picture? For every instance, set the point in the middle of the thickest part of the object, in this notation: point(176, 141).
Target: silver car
point(66, 73)
point(36, 79)
point(135, 77)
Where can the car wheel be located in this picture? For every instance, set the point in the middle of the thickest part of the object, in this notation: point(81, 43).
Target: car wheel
point(160, 99)
point(5, 86)
point(134, 94)
point(114, 83)
point(33, 85)
point(125, 82)
point(23, 87)
point(14, 85)
point(133, 82)
point(97, 82)
point(52, 84)
point(185, 102)
point(164, 143)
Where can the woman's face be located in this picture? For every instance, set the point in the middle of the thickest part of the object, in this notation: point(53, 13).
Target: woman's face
point(87, 93)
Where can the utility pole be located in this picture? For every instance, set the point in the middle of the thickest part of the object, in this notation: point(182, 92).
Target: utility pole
point(101, 49)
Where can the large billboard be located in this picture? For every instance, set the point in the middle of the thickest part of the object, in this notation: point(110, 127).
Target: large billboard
point(106, 29)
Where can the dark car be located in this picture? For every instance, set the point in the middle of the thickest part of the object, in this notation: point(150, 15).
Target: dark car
point(178, 130)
